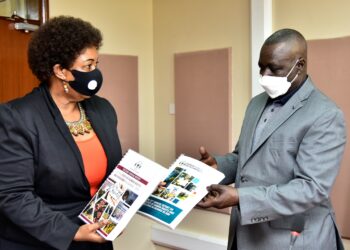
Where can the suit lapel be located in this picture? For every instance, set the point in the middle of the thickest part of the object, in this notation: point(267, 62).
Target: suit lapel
point(249, 130)
point(62, 127)
point(295, 103)
point(69, 139)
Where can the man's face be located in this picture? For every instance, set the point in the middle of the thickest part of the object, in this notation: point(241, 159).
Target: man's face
point(277, 60)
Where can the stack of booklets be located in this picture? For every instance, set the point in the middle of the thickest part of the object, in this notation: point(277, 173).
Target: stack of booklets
point(140, 185)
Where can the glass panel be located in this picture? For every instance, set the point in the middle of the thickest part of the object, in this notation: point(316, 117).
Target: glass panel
point(26, 9)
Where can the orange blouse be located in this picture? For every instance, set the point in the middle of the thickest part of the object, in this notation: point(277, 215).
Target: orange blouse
point(95, 162)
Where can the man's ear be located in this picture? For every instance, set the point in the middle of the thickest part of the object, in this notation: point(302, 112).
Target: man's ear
point(301, 63)
point(59, 72)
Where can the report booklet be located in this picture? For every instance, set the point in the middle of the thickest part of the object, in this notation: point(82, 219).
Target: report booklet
point(138, 184)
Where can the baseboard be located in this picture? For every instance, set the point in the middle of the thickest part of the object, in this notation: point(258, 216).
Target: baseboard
point(184, 240)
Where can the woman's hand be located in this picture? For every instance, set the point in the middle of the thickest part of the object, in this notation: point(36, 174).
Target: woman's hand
point(88, 232)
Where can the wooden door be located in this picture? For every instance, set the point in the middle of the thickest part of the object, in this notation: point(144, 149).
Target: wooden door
point(16, 79)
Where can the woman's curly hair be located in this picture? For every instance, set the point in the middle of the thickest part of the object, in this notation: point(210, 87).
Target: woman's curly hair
point(60, 41)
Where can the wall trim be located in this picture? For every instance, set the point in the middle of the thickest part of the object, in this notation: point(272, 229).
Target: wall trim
point(261, 28)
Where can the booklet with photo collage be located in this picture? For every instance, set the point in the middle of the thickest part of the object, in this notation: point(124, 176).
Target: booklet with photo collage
point(185, 185)
point(133, 187)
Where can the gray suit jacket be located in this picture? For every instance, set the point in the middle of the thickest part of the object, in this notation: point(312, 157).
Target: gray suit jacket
point(290, 172)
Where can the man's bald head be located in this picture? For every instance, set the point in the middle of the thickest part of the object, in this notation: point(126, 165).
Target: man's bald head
point(292, 37)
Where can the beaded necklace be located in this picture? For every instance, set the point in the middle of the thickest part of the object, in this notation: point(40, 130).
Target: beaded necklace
point(82, 126)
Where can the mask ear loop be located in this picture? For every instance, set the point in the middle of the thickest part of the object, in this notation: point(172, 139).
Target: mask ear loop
point(290, 71)
point(296, 76)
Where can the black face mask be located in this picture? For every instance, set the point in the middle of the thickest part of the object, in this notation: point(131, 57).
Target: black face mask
point(86, 83)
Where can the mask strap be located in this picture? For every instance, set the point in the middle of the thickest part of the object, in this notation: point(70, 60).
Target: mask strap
point(294, 78)
point(290, 71)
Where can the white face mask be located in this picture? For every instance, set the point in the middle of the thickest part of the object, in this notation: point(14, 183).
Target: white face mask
point(277, 85)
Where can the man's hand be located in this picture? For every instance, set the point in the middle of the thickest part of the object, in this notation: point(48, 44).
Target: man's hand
point(87, 232)
point(220, 196)
point(207, 158)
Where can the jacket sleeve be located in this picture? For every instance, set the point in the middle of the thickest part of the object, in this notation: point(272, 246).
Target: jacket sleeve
point(18, 200)
point(228, 164)
point(317, 165)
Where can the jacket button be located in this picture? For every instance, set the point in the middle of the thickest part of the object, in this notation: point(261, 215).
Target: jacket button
point(243, 179)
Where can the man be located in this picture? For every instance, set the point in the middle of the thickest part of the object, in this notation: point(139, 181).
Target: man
point(286, 160)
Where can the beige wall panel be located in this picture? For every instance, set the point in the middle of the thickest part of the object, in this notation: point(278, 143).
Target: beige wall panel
point(120, 87)
point(203, 101)
point(329, 68)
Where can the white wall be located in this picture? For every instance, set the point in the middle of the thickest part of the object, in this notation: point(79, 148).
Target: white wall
point(316, 19)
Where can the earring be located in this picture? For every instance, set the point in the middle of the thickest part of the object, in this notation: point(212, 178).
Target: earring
point(65, 88)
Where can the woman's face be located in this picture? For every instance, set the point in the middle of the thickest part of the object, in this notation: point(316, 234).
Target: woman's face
point(87, 61)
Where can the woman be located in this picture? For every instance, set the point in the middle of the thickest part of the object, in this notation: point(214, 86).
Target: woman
point(57, 144)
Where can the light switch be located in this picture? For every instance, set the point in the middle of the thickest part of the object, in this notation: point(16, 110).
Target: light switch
point(172, 108)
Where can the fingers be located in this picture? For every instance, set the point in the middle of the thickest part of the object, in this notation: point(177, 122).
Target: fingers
point(98, 225)
point(94, 236)
point(88, 232)
point(207, 201)
point(204, 203)
point(207, 158)
point(215, 188)
point(225, 196)
point(203, 152)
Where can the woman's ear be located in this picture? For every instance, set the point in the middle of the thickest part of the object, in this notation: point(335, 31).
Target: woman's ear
point(59, 72)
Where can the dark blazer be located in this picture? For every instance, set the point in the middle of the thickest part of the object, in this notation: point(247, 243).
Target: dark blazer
point(43, 187)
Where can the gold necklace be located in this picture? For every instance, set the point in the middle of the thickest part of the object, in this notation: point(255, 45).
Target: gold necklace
point(82, 126)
